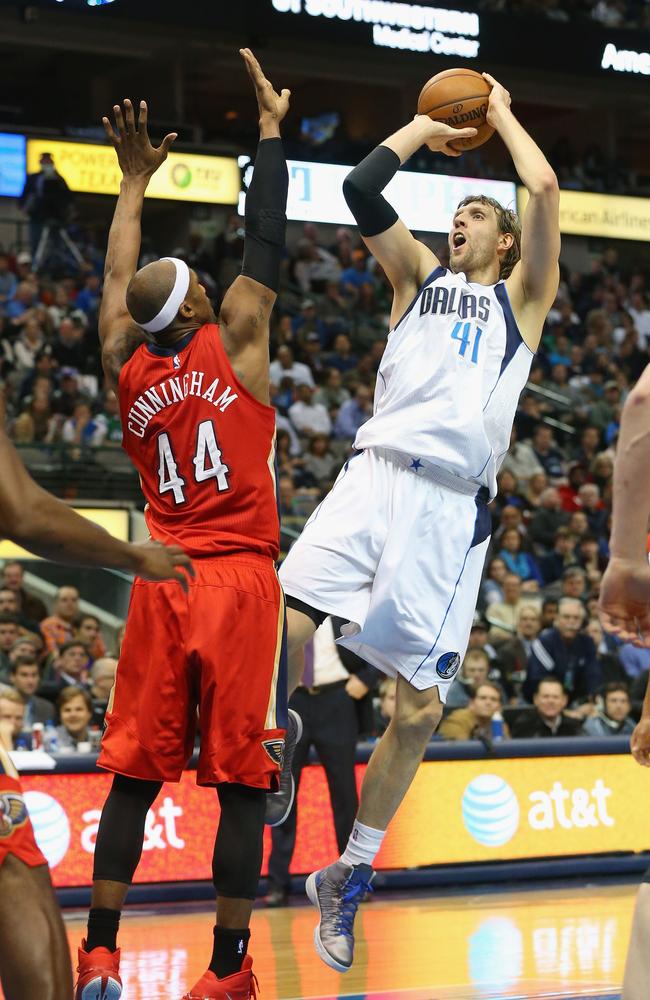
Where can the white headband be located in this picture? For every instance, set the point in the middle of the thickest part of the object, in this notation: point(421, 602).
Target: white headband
point(176, 298)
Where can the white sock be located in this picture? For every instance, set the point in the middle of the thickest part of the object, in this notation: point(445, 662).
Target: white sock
point(363, 845)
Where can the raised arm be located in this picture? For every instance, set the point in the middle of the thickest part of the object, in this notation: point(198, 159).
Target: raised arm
point(406, 261)
point(246, 308)
point(31, 517)
point(138, 159)
point(533, 284)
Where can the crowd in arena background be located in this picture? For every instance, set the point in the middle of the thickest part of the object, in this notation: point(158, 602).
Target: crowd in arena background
point(609, 13)
point(536, 616)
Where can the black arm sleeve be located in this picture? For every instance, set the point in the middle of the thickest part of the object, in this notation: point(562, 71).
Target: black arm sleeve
point(265, 218)
point(362, 190)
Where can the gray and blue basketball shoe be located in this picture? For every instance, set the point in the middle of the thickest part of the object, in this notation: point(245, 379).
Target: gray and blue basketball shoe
point(336, 891)
point(278, 804)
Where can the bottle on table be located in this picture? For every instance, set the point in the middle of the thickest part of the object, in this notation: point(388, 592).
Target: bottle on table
point(497, 727)
point(50, 737)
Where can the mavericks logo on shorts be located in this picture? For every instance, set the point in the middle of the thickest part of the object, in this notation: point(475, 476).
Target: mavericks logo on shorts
point(447, 665)
point(13, 813)
point(275, 750)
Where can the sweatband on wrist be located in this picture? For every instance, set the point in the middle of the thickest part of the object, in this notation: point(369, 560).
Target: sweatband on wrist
point(174, 301)
point(362, 191)
point(265, 216)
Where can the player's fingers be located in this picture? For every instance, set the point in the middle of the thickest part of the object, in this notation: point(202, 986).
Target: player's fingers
point(490, 79)
point(143, 117)
point(166, 144)
point(108, 129)
point(130, 116)
point(285, 94)
point(119, 119)
point(182, 559)
point(182, 579)
point(253, 66)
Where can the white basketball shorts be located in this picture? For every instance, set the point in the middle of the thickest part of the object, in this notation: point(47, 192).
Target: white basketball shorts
point(400, 556)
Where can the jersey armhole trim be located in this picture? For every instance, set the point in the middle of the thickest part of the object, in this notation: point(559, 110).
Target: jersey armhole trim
point(215, 330)
point(436, 273)
point(514, 338)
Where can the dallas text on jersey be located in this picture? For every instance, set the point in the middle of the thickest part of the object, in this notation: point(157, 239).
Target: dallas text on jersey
point(441, 300)
point(174, 390)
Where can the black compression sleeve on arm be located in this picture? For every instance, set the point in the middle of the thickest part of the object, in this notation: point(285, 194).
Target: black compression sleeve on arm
point(362, 190)
point(266, 215)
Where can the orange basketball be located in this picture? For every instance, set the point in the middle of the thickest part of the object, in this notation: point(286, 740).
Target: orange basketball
point(458, 97)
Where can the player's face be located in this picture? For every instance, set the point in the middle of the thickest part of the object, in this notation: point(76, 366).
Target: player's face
point(473, 238)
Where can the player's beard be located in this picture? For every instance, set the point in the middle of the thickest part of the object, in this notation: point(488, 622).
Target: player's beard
point(472, 261)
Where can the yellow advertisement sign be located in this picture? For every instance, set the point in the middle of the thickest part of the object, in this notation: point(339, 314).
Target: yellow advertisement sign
point(116, 522)
point(615, 217)
point(93, 169)
point(466, 811)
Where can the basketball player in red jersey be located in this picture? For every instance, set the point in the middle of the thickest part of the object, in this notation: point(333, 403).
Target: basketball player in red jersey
point(194, 399)
point(34, 953)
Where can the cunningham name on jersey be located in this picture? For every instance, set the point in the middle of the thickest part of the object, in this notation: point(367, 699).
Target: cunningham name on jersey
point(450, 379)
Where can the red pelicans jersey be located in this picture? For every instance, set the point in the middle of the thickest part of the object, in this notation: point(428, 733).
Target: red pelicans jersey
point(204, 448)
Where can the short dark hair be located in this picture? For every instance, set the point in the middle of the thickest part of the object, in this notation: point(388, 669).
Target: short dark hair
point(71, 692)
point(475, 688)
point(72, 644)
point(507, 222)
point(551, 680)
point(15, 667)
point(82, 618)
point(613, 687)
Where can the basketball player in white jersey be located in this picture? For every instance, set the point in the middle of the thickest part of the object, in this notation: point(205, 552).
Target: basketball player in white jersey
point(397, 547)
point(624, 608)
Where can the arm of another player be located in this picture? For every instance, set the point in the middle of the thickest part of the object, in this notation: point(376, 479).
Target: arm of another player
point(138, 159)
point(533, 284)
point(406, 261)
point(31, 517)
point(247, 305)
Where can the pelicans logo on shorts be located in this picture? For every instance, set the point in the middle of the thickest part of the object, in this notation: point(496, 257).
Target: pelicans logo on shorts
point(13, 813)
point(275, 750)
point(447, 665)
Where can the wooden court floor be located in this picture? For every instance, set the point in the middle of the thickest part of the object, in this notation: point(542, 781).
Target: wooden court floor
point(540, 943)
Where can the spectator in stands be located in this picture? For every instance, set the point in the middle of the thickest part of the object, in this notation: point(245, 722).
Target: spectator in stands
point(502, 616)
point(89, 298)
point(594, 508)
point(574, 583)
point(8, 635)
point(308, 322)
point(589, 446)
point(550, 700)
point(108, 422)
point(102, 678)
point(492, 586)
point(332, 393)
point(547, 453)
point(58, 628)
point(613, 715)
point(537, 483)
point(353, 414)
point(69, 347)
point(319, 462)
point(81, 430)
point(567, 653)
point(25, 649)
point(46, 199)
point(10, 605)
point(546, 520)
point(75, 712)
point(386, 707)
point(7, 282)
point(285, 366)
point(474, 670)
point(13, 576)
point(561, 558)
point(354, 278)
point(87, 630)
point(522, 564)
point(475, 721)
point(342, 358)
point(25, 679)
point(307, 416)
point(12, 714)
point(514, 653)
point(521, 460)
point(67, 669)
point(478, 638)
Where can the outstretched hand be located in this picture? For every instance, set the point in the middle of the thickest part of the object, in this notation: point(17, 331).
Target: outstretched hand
point(135, 154)
point(498, 100)
point(624, 603)
point(164, 562)
point(271, 105)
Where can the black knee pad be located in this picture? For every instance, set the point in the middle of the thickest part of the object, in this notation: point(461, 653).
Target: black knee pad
point(237, 858)
point(121, 829)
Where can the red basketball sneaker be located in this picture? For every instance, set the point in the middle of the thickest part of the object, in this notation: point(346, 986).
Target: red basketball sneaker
point(99, 974)
point(240, 986)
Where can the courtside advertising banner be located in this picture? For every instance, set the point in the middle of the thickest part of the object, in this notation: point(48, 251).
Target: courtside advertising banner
point(94, 169)
point(455, 812)
point(614, 217)
point(425, 202)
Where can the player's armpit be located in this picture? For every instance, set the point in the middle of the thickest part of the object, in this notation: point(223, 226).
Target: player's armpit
point(119, 338)
point(406, 261)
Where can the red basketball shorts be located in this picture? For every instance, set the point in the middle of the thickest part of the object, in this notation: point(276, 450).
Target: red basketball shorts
point(219, 649)
point(16, 831)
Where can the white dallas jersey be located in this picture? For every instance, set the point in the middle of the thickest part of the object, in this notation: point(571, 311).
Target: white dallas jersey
point(450, 379)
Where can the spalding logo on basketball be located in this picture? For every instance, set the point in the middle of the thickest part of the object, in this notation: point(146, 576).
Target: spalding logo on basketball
point(490, 810)
point(51, 826)
point(447, 665)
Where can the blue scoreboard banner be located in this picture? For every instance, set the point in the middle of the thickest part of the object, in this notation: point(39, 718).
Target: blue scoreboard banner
point(13, 159)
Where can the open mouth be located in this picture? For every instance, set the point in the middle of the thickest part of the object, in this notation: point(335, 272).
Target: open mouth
point(458, 240)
